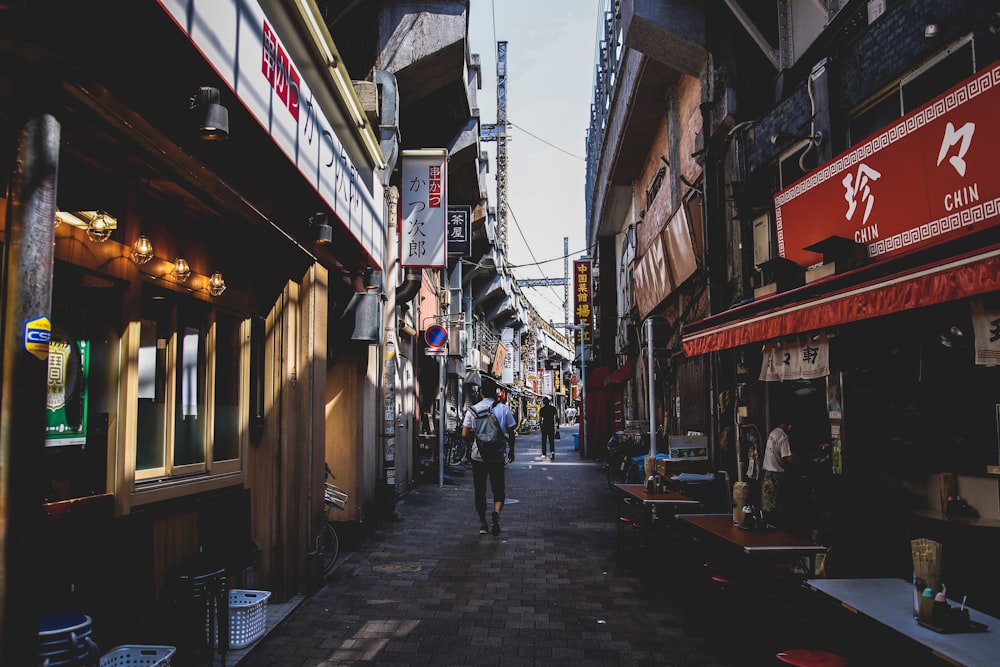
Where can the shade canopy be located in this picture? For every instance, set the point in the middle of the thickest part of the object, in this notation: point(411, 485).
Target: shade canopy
point(858, 295)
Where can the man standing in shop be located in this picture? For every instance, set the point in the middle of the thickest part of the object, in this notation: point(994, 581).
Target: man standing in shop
point(782, 500)
point(548, 417)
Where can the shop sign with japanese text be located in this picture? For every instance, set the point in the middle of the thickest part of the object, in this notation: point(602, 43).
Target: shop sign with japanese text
point(245, 49)
point(423, 198)
point(459, 222)
point(582, 291)
point(927, 178)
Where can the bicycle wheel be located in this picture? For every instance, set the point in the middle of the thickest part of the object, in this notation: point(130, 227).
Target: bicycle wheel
point(614, 468)
point(328, 546)
point(455, 452)
point(633, 472)
point(465, 455)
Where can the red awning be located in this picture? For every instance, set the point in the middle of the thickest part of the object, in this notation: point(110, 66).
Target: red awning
point(940, 282)
point(622, 375)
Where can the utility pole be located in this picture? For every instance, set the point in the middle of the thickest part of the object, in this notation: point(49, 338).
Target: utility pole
point(498, 133)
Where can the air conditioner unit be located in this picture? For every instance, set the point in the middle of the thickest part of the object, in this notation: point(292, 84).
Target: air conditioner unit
point(457, 342)
point(761, 239)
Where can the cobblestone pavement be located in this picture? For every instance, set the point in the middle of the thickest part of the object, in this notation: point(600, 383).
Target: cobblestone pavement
point(429, 590)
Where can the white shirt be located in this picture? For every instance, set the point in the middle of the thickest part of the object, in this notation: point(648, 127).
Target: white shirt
point(778, 447)
point(504, 416)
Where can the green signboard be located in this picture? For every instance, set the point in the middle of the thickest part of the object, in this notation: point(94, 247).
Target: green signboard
point(69, 366)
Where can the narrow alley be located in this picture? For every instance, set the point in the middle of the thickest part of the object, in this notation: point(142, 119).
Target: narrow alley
point(429, 590)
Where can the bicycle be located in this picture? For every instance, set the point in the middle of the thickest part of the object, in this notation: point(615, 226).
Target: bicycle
point(621, 467)
point(327, 541)
point(456, 451)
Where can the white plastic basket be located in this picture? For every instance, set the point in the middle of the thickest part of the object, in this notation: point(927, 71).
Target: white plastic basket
point(138, 655)
point(247, 616)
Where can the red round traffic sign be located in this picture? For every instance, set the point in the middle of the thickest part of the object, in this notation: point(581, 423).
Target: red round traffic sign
point(436, 335)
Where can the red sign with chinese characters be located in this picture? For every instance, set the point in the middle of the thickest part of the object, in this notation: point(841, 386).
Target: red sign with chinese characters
point(582, 297)
point(279, 71)
point(925, 179)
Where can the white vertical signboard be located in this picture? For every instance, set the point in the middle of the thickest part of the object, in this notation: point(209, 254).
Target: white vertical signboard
point(507, 341)
point(424, 201)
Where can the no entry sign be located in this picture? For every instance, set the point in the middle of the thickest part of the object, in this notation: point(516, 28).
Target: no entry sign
point(436, 335)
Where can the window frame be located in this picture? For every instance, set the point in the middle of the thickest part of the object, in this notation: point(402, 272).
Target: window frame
point(139, 487)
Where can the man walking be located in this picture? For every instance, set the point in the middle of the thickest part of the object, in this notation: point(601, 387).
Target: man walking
point(489, 456)
point(548, 417)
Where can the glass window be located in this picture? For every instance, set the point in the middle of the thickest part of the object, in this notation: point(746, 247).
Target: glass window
point(189, 368)
point(229, 349)
point(189, 415)
point(151, 429)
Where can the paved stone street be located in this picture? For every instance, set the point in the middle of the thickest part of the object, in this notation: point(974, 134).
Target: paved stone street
point(429, 590)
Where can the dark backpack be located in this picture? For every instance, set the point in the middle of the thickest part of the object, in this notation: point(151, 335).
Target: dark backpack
point(489, 434)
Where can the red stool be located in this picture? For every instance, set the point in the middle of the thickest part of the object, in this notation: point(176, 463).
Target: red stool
point(801, 657)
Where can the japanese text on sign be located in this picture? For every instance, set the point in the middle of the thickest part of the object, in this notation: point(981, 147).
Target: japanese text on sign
point(582, 297)
point(424, 203)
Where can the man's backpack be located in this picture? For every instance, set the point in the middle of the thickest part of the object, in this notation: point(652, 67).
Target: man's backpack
point(489, 434)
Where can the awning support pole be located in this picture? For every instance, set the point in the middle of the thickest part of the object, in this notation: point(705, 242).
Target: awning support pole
point(652, 387)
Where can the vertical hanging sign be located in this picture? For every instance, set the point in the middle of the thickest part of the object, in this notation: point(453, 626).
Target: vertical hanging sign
point(424, 201)
point(459, 218)
point(582, 298)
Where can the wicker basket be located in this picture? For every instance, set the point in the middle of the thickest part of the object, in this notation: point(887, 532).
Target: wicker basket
point(247, 616)
point(137, 655)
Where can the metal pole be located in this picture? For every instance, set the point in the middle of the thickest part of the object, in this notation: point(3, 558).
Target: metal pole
point(583, 373)
point(27, 305)
point(652, 387)
point(441, 379)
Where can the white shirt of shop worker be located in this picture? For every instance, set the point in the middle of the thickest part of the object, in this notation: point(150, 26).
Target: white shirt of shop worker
point(778, 447)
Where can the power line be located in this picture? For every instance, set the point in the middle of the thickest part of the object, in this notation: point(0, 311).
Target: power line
point(521, 232)
point(546, 142)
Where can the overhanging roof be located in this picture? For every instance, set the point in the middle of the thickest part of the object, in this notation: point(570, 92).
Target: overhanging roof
point(857, 295)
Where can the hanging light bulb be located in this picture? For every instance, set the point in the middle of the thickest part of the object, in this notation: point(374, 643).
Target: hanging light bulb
point(99, 228)
point(216, 284)
point(181, 269)
point(142, 250)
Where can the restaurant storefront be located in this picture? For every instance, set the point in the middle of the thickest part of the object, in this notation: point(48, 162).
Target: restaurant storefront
point(183, 234)
point(883, 338)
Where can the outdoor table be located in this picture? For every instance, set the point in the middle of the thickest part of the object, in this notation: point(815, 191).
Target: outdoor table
point(771, 541)
point(890, 603)
point(638, 493)
point(650, 501)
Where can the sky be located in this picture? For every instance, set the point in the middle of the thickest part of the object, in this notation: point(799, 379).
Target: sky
point(550, 83)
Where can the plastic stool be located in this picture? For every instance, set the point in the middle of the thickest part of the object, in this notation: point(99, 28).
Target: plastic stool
point(802, 657)
point(64, 639)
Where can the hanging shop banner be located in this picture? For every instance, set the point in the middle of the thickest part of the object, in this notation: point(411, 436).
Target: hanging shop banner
point(986, 329)
point(424, 201)
point(548, 384)
point(796, 359)
point(923, 180)
point(509, 355)
point(244, 48)
point(499, 361)
point(582, 299)
point(68, 396)
point(668, 261)
point(459, 223)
